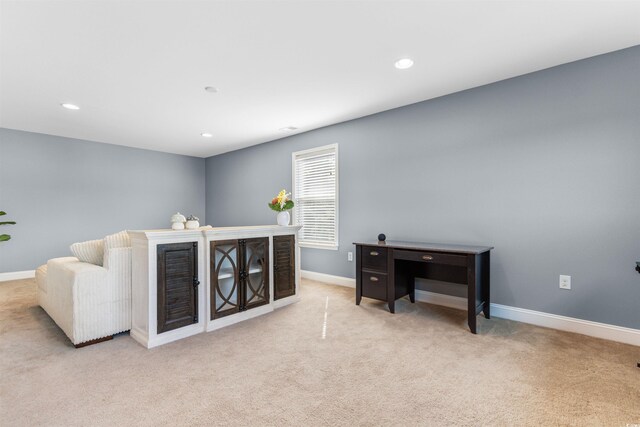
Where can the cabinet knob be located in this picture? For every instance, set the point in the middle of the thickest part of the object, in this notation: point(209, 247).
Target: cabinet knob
point(427, 257)
point(373, 279)
point(373, 253)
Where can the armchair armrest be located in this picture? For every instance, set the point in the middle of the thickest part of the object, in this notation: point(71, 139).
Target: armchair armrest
point(70, 269)
point(75, 293)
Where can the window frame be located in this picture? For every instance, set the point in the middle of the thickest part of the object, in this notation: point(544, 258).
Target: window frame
point(334, 147)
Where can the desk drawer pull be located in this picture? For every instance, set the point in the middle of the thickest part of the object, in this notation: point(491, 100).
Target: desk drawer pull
point(427, 257)
point(373, 279)
point(373, 253)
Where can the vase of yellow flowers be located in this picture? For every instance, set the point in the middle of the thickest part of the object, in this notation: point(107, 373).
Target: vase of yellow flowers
point(282, 204)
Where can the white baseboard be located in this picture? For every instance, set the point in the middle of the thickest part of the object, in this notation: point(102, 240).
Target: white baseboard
point(568, 324)
point(328, 278)
point(17, 275)
point(441, 299)
point(538, 318)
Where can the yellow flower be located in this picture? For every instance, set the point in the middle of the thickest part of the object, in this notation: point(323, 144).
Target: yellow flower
point(282, 196)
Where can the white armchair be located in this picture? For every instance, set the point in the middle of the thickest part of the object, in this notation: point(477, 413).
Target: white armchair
point(90, 303)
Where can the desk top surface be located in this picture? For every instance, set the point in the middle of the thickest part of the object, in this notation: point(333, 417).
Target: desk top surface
point(436, 247)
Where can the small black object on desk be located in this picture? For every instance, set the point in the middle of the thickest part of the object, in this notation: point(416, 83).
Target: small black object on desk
point(638, 270)
point(381, 238)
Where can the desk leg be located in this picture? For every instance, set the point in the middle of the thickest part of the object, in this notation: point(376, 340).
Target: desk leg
point(411, 281)
point(391, 281)
point(471, 292)
point(358, 274)
point(486, 284)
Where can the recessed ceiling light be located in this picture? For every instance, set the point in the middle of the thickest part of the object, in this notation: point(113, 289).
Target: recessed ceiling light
point(288, 129)
point(404, 63)
point(70, 106)
point(211, 89)
point(207, 134)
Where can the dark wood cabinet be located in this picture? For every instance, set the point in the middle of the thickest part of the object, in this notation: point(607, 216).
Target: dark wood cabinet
point(239, 275)
point(177, 285)
point(372, 272)
point(284, 283)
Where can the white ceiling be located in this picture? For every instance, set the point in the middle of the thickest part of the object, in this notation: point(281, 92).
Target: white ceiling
point(138, 69)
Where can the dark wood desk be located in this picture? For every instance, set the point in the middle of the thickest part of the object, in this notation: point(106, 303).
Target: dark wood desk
point(387, 271)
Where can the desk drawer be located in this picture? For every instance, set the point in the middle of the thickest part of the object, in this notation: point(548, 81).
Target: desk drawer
point(374, 285)
point(432, 257)
point(374, 258)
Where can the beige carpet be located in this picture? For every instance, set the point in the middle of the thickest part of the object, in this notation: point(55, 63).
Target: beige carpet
point(418, 367)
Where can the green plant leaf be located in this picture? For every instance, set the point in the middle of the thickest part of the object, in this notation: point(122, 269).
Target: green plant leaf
point(7, 222)
point(276, 206)
point(2, 213)
point(4, 237)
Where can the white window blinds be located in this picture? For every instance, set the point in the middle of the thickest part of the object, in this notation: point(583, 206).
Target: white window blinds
point(315, 192)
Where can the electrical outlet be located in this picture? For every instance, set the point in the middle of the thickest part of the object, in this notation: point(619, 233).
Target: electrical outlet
point(349, 256)
point(565, 282)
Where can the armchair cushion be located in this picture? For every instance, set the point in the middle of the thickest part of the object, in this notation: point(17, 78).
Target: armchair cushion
point(91, 251)
point(118, 240)
point(112, 243)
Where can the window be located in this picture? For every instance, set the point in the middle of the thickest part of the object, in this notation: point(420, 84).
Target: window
point(315, 192)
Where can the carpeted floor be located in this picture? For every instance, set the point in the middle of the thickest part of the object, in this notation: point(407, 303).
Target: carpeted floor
point(420, 366)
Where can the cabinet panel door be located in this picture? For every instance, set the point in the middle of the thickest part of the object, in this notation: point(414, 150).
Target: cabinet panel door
point(177, 285)
point(225, 278)
point(255, 288)
point(284, 283)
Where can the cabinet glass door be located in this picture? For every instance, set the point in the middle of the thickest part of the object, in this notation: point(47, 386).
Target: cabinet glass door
point(256, 272)
point(225, 278)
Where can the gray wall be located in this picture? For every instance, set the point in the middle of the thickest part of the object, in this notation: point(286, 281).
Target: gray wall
point(63, 190)
point(545, 167)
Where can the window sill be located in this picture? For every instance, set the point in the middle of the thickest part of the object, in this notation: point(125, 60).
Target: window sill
point(318, 246)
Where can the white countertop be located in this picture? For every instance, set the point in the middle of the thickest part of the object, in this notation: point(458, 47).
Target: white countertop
point(213, 231)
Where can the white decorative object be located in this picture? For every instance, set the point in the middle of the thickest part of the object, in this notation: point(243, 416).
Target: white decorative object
point(144, 299)
point(88, 301)
point(177, 221)
point(282, 204)
point(192, 223)
point(283, 218)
